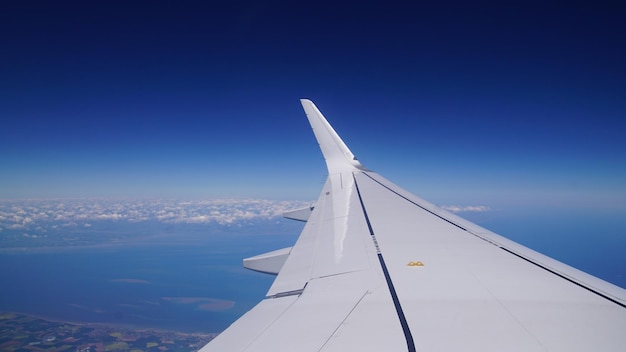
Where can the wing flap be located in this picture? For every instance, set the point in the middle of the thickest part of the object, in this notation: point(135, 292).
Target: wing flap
point(243, 332)
point(312, 320)
point(315, 316)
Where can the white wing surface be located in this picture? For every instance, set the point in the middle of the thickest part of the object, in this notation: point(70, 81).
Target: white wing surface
point(379, 269)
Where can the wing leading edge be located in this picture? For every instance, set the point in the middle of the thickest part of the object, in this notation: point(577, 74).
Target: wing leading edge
point(377, 268)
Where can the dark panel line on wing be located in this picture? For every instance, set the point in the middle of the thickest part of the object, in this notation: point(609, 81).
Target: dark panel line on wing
point(506, 249)
point(421, 207)
point(392, 290)
point(566, 278)
point(287, 293)
point(430, 211)
point(343, 321)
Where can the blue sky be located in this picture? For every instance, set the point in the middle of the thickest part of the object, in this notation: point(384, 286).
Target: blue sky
point(498, 105)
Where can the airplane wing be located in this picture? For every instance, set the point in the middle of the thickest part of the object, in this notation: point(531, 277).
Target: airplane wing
point(377, 268)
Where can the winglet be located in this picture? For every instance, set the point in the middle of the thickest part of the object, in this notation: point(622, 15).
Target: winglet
point(337, 155)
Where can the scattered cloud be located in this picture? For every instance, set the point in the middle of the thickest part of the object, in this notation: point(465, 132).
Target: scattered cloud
point(467, 208)
point(43, 214)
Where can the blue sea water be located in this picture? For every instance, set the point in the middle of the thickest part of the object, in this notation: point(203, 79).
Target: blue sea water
point(191, 279)
point(188, 281)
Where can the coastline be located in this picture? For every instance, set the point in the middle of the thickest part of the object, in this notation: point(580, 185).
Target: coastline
point(19, 330)
point(109, 325)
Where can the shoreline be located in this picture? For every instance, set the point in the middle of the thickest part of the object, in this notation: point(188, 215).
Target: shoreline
point(28, 332)
point(107, 326)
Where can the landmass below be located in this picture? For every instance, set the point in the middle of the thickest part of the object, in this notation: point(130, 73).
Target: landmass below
point(19, 332)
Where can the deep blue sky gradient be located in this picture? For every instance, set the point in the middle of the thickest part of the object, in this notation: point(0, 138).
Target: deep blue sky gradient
point(458, 102)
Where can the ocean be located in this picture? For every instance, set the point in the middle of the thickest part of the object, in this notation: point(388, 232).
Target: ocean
point(188, 281)
point(189, 277)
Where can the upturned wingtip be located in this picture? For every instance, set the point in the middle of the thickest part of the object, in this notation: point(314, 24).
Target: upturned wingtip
point(336, 153)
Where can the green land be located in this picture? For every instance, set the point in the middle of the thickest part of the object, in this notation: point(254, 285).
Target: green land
point(19, 332)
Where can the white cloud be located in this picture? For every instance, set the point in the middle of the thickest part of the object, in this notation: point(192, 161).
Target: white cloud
point(34, 214)
point(467, 208)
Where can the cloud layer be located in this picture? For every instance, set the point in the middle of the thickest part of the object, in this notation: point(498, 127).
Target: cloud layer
point(34, 214)
point(466, 208)
point(35, 217)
